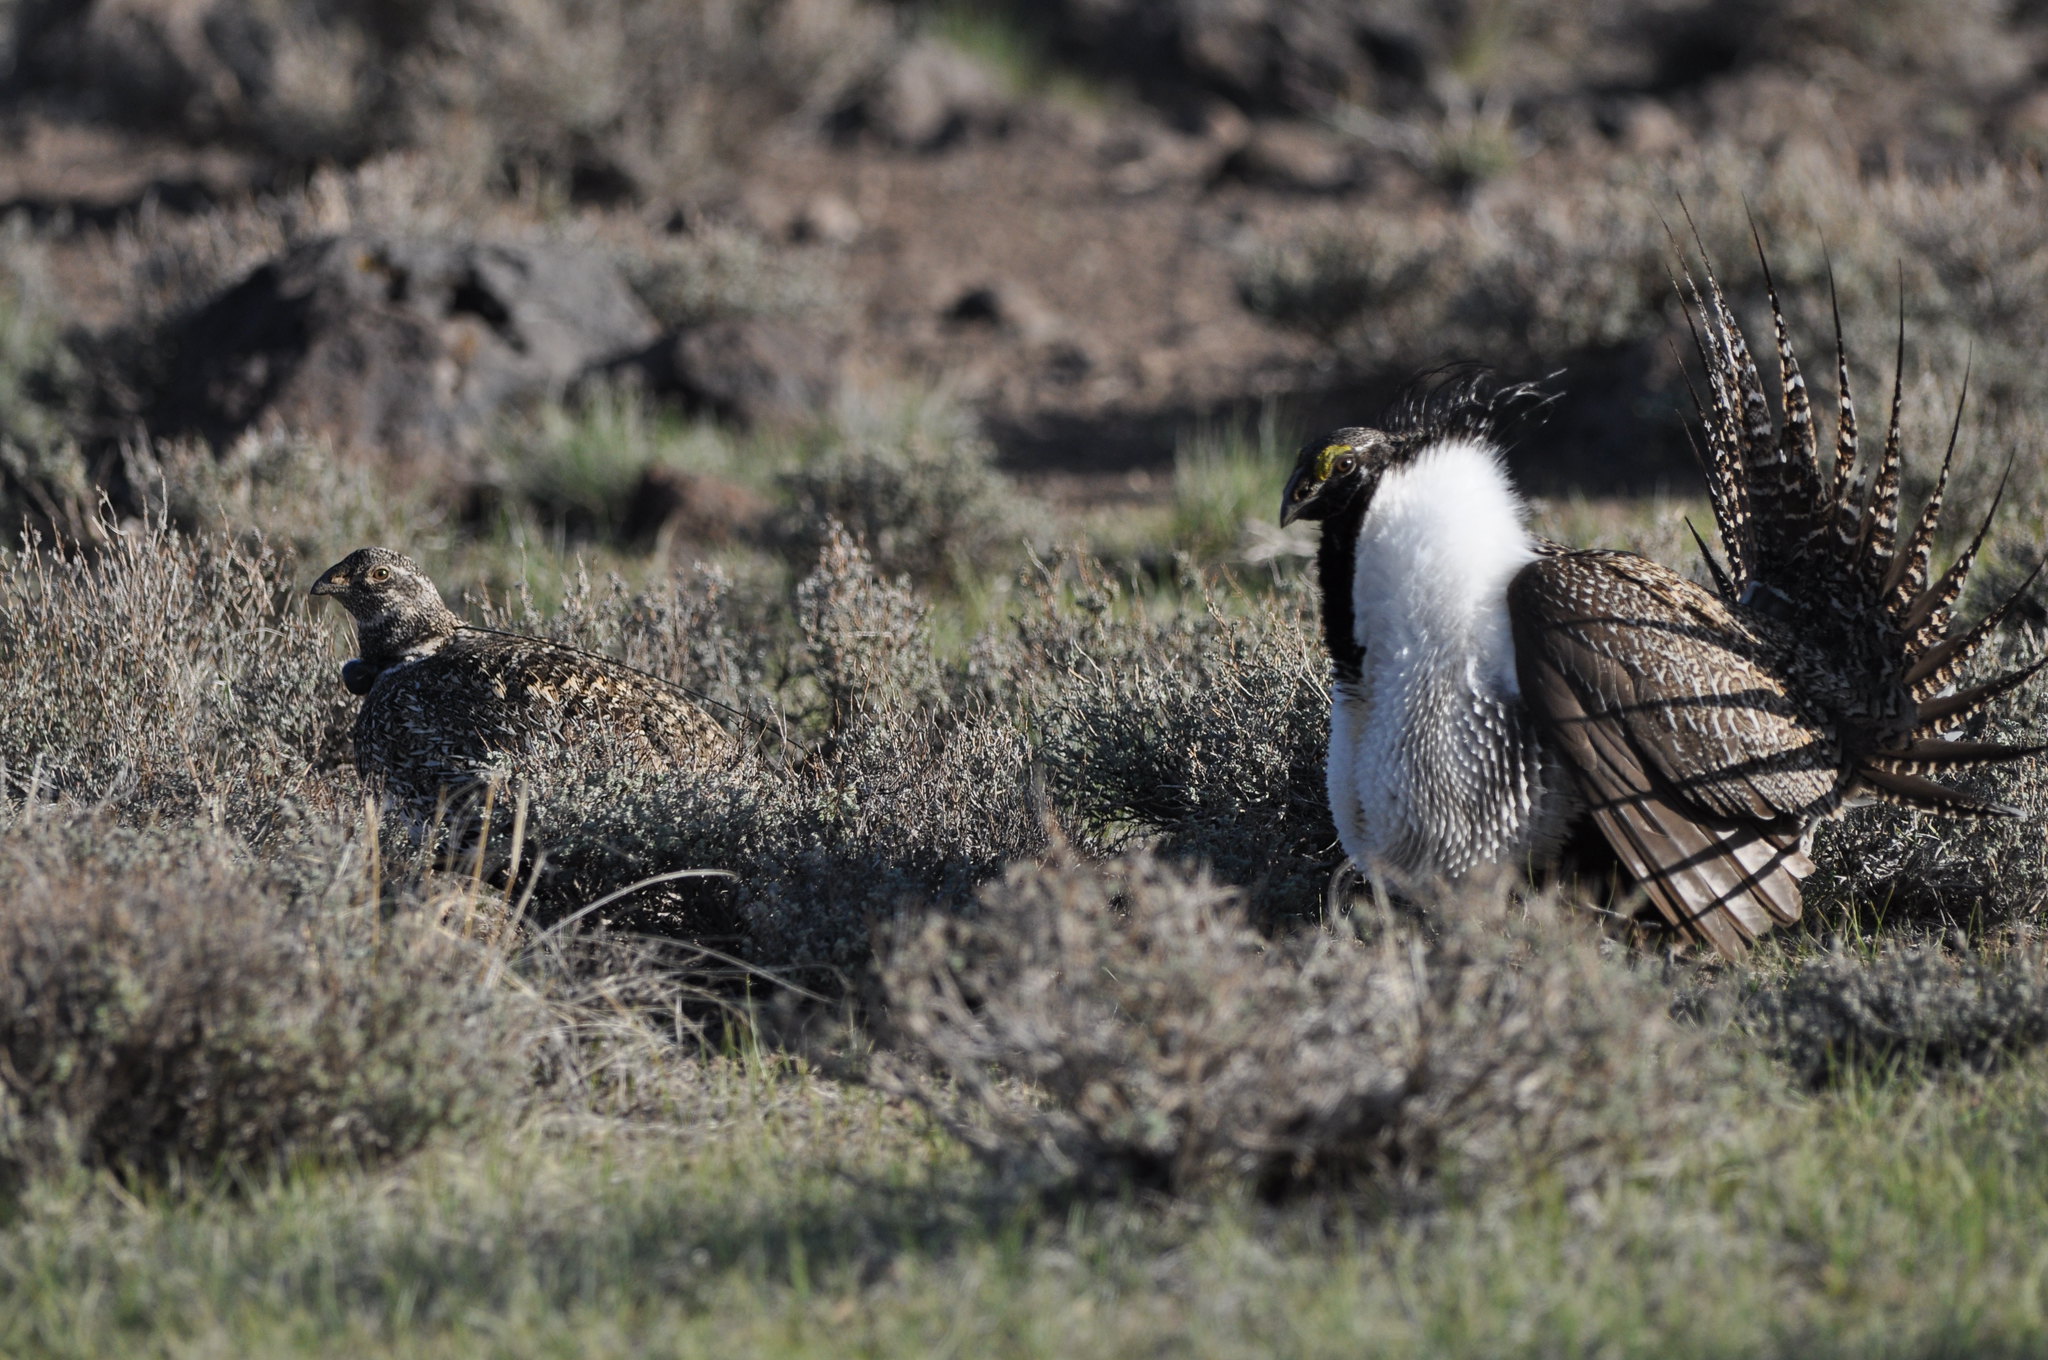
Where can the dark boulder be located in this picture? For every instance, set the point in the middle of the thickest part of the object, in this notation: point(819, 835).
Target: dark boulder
point(405, 346)
point(931, 96)
point(748, 370)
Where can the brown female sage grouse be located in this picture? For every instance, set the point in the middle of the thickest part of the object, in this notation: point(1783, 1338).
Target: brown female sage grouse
point(448, 709)
point(1493, 694)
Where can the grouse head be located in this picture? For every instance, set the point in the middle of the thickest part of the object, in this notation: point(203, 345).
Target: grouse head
point(1337, 473)
point(398, 613)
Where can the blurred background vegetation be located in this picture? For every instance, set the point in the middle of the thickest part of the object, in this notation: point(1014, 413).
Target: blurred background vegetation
point(617, 273)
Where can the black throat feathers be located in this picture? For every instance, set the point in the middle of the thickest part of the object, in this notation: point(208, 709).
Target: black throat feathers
point(1337, 573)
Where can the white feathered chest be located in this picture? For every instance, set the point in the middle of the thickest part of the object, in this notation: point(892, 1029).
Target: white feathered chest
point(1435, 769)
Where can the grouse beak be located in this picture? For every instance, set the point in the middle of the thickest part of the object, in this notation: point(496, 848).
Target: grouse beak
point(1294, 498)
point(328, 584)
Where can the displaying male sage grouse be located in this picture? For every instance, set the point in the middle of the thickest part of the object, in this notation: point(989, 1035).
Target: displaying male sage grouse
point(1491, 691)
point(447, 708)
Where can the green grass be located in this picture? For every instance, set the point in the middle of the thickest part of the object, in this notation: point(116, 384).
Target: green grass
point(771, 1212)
point(1227, 478)
point(669, 1199)
point(1474, 144)
point(578, 462)
point(738, 1201)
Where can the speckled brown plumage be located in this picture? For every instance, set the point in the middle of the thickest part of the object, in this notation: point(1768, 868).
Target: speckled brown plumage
point(1697, 762)
point(448, 709)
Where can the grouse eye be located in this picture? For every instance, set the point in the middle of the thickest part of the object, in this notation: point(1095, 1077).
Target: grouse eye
point(1345, 465)
point(379, 575)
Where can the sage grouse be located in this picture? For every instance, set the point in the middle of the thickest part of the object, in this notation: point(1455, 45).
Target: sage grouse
point(1493, 694)
point(448, 708)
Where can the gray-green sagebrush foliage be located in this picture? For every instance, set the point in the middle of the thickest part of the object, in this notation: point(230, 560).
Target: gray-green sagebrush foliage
point(617, 89)
point(1103, 1026)
point(877, 777)
point(1889, 865)
point(169, 1003)
point(211, 959)
point(1201, 731)
point(1574, 268)
point(888, 776)
point(1912, 1007)
point(926, 503)
point(173, 676)
point(166, 676)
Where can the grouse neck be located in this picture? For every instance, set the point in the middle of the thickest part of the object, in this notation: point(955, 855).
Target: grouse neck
point(1434, 554)
point(397, 636)
point(1336, 569)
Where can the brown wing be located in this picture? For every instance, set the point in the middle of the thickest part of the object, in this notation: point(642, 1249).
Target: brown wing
point(1695, 757)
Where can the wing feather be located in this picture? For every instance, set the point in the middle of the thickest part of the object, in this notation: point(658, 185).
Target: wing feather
point(1695, 760)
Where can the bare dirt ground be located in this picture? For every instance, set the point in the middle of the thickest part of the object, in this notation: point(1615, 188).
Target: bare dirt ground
point(1073, 280)
point(1042, 281)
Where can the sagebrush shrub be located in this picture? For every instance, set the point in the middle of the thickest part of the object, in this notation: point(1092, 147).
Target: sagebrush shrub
point(1106, 1025)
point(1579, 268)
point(720, 271)
point(601, 90)
point(927, 502)
point(1912, 1007)
point(1894, 866)
point(267, 487)
point(168, 1003)
point(894, 785)
point(1201, 731)
point(169, 676)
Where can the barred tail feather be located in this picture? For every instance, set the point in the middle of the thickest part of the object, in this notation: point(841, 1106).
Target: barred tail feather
point(1918, 791)
point(1879, 538)
point(1795, 491)
point(1856, 600)
point(1725, 482)
point(1933, 753)
point(1847, 520)
point(1759, 451)
point(1940, 664)
point(1927, 618)
point(1908, 575)
point(1722, 585)
point(1948, 712)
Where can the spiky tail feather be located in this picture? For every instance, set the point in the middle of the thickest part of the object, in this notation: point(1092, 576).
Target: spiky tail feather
point(1826, 548)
